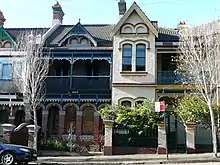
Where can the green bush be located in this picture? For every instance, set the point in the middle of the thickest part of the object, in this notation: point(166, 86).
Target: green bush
point(54, 144)
point(59, 144)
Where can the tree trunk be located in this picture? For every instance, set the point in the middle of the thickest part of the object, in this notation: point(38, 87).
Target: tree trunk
point(27, 113)
point(214, 137)
point(35, 129)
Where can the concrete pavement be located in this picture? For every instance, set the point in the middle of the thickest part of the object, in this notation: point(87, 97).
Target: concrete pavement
point(131, 159)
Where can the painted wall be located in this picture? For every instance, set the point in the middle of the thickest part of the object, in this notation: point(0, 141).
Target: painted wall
point(132, 93)
point(147, 77)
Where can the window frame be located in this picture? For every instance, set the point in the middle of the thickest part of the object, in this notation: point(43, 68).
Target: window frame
point(126, 101)
point(2, 72)
point(140, 56)
point(127, 67)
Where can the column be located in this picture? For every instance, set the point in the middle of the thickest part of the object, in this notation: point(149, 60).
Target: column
point(161, 149)
point(7, 129)
point(190, 137)
point(11, 119)
point(11, 116)
point(31, 135)
point(61, 121)
point(79, 115)
point(71, 73)
point(44, 123)
point(108, 137)
point(96, 128)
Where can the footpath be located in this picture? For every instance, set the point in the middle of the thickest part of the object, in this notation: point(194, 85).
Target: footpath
point(129, 159)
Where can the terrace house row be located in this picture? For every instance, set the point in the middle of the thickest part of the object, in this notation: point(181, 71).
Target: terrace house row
point(94, 65)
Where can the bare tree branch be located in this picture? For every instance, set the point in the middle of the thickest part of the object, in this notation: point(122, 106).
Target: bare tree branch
point(30, 68)
point(198, 63)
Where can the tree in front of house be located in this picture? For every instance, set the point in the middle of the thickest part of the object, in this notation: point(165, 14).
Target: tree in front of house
point(193, 108)
point(198, 63)
point(30, 68)
point(140, 117)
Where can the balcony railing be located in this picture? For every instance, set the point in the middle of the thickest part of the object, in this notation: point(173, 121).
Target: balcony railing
point(78, 97)
point(65, 84)
point(168, 77)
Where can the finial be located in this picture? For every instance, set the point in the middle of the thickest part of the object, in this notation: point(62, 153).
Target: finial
point(57, 4)
point(2, 19)
point(79, 20)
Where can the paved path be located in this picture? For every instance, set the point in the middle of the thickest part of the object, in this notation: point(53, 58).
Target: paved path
point(131, 159)
point(208, 163)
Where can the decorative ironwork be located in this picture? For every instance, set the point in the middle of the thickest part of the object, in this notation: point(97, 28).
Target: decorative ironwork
point(168, 77)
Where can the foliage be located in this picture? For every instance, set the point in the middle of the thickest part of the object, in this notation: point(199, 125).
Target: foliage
point(59, 144)
point(54, 144)
point(192, 108)
point(143, 114)
point(108, 112)
point(137, 118)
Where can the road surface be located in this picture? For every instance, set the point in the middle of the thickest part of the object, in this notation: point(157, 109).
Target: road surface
point(215, 163)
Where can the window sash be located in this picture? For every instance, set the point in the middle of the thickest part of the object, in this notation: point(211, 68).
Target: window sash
point(127, 58)
point(140, 57)
point(6, 71)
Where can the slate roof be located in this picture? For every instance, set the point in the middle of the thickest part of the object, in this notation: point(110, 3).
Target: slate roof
point(167, 35)
point(100, 32)
point(15, 32)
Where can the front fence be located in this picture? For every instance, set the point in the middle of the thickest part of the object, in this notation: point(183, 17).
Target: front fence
point(127, 140)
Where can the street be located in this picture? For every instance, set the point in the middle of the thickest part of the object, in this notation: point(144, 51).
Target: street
point(212, 163)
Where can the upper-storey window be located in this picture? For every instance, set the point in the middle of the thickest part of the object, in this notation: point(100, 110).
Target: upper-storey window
point(141, 29)
point(127, 57)
point(6, 71)
point(7, 45)
point(140, 57)
point(74, 41)
point(84, 41)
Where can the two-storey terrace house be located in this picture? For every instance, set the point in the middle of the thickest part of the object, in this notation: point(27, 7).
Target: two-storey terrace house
point(94, 65)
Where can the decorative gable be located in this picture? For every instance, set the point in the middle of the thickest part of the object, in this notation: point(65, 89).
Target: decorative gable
point(6, 40)
point(77, 36)
point(135, 21)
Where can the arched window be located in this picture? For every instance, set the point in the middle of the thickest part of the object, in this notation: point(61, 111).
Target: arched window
point(74, 41)
point(139, 102)
point(141, 29)
point(140, 57)
point(127, 29)
point(88, 120)
point(126, 103)
point(84, 41)
point(7, 45)
point(127, 57)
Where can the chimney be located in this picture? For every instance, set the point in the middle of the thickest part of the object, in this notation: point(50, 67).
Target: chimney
point(57, 14)
point(2, 19)
point(181, 25)
point(122, 8)
point(155, 23)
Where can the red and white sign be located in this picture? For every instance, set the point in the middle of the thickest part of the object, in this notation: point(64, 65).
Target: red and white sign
point(159, 106)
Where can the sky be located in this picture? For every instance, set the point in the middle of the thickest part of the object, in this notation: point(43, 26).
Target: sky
point(168, 13)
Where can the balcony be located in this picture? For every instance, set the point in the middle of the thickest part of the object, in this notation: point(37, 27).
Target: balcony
point(64, 84)
point(168, 77)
